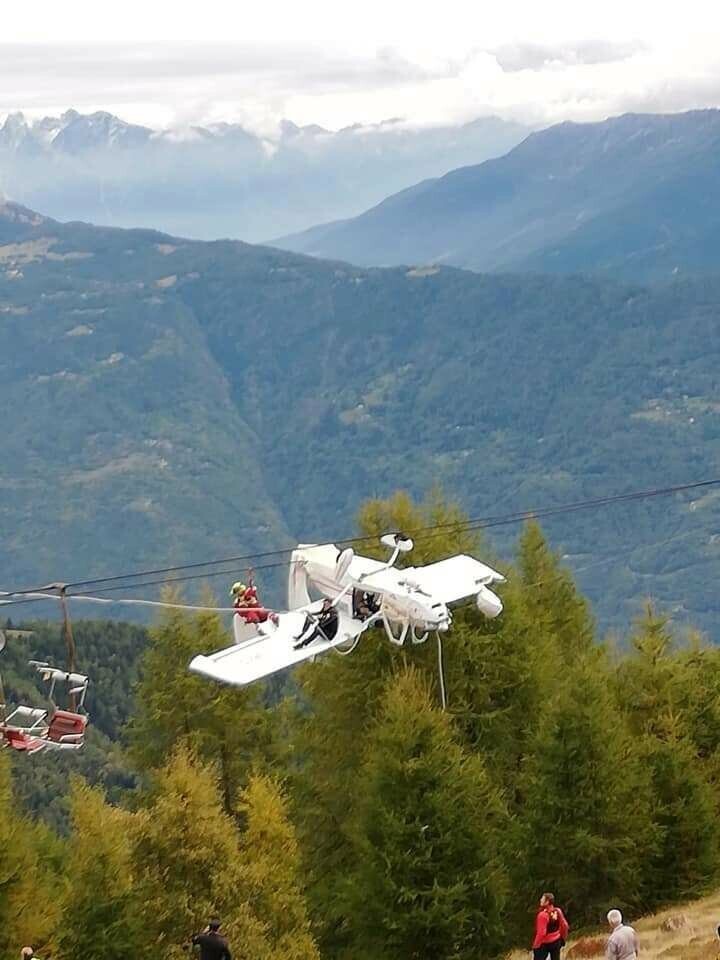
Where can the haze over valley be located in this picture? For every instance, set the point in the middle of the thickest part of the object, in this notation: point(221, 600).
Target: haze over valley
point(224, 180)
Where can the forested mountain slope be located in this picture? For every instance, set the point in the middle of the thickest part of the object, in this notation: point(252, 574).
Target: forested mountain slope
point(169, 400)
point(635, 197)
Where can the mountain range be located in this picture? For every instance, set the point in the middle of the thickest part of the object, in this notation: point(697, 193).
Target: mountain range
point(222, 179)
point(635, 197)
point(169, 400)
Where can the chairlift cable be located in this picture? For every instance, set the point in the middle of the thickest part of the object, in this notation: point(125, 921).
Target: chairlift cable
point(469, 523)
point(423, 533)
point(35, 598)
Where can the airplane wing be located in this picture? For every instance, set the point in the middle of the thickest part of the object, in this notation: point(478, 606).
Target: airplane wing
point(266, 653)
point(456, 578)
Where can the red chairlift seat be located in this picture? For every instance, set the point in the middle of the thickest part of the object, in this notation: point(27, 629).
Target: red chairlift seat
point(21, 741)
point(28, 729)
point(67, 727)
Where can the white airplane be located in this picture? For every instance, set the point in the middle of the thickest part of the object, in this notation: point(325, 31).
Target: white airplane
point(355, 593)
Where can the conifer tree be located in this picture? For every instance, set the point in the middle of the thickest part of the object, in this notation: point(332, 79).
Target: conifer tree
point(97, 908)
point(698, 702)
point(498, 676)
point(187, 864)
point(225, 725)
point(270, 862)
point(553, 603)
point(648, 677)
point(426, 879)
point(27, 877)
point(343, 693)
point(587, 830)
point(685, 859)
point(400, 513)
point(661, 691)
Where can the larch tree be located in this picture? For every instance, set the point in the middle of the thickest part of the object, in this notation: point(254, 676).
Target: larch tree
point(426, 878)
point(98, 915)
point(28, 910)
point(271, 870)
point(552, 601)
point(586, 820)
point(339, 697)
point(225, 725)
point(685, 858)
point(187, 864)
point(698, 702)
point(675, 713)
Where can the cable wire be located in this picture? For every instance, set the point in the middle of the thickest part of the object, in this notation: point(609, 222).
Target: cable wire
point(424, 533)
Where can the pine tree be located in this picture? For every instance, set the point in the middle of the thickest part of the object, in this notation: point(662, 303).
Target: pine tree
point(187, 864)
point(270, 863)
point(222, 724)
point(426, 880)
point(97, 907)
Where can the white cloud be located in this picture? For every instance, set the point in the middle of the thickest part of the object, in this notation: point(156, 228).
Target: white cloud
point(513, 57)
point(323, 62)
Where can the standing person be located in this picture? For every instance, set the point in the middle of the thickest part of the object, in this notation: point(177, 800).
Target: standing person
point(623, 942)
point(551, 930)
point(213, 945)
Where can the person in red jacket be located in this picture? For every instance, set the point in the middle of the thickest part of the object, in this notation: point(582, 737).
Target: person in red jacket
point(551, 930)
point(246, 602)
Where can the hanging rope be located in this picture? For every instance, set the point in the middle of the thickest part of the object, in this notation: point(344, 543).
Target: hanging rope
point(441, 671)
point(3, 703)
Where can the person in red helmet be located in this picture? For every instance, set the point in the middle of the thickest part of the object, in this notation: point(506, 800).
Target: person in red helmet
point(551, 930)
point(246, 601)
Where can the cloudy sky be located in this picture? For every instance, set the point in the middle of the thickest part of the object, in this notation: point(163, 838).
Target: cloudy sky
point(331, 62)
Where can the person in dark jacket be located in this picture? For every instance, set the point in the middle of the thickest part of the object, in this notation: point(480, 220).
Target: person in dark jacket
point(551, 930)
point(323, 627)
point(213, 945)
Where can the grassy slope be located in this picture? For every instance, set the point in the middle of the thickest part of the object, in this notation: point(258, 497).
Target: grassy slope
point(696, 938)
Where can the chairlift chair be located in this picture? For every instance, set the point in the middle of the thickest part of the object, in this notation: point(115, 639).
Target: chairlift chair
point(31, 729)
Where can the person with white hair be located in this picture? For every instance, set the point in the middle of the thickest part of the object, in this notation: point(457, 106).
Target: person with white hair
point(623, 942)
